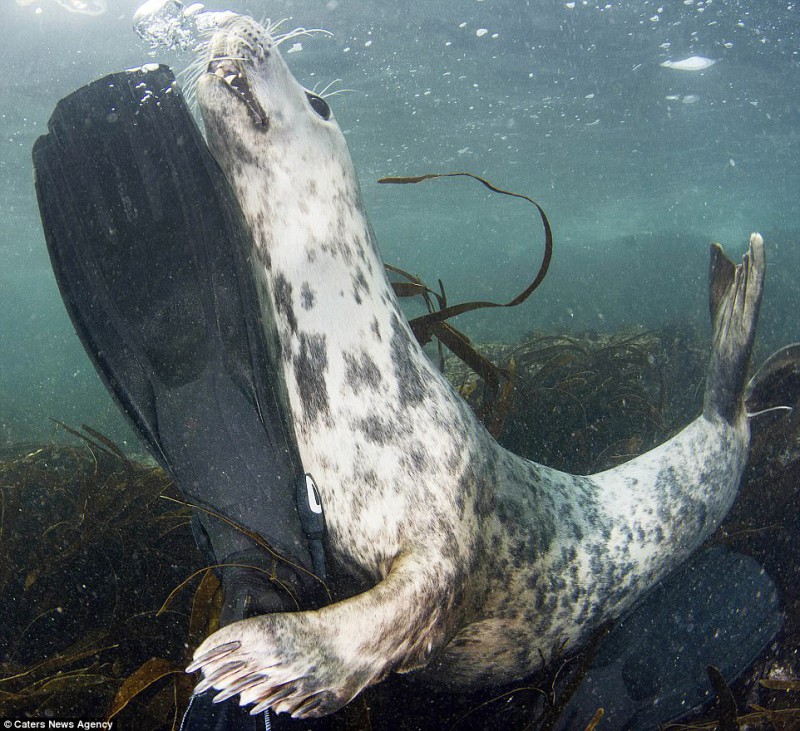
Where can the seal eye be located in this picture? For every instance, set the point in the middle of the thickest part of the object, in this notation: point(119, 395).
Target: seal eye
point(319, 105)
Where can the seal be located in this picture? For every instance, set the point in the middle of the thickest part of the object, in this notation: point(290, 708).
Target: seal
point(482, 566)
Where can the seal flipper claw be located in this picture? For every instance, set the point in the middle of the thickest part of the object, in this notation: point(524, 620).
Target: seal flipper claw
point(275, 696)
point(274, 700)
point(218, 676)
point(202, 686)
point(307, 707)
point(216, 653)
point(255, 710)
point(241, 685)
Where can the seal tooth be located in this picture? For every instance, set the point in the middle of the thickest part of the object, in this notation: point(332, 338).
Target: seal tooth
point(230, 78)
point(222, 67)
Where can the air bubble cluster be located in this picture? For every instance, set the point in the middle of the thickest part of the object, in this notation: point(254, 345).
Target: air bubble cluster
point(171, 24)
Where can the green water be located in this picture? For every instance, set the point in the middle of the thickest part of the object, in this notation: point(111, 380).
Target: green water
point(639, 166)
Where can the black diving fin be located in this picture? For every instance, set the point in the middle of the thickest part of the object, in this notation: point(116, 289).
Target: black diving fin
point(720, 608)
point(150, 252)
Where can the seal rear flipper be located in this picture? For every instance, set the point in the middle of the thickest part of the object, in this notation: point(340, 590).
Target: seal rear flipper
point(735, 299)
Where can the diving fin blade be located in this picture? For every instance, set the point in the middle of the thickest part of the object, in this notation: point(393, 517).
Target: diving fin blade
point(720, 608)
point(150, 251)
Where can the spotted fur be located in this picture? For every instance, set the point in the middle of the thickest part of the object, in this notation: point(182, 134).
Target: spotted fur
point(483, 565)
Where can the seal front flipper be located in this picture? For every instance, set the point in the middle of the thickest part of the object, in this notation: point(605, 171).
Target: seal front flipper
point(148, 247)
point(310, 664)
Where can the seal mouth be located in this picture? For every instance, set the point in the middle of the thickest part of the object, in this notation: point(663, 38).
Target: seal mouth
point(232, 74)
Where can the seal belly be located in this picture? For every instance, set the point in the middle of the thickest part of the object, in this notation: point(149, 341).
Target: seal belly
point(604, 541)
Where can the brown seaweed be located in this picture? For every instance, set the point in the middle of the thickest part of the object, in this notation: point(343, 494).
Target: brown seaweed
point(86, 547)
point(81, 516)
point(577, 403)
point(424, 326)
point(497, 381)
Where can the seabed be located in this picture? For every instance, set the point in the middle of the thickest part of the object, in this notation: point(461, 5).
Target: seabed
point(95, 552)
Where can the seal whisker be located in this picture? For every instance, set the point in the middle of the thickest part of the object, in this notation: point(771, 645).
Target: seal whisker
point(338, 91)
point(243, 59)
point(316, 90)
point(298, 32)
point(189, 77)
point(326, 92)
point(272, 28)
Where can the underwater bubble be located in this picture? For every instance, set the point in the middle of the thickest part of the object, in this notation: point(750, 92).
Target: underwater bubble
point(161, 23)
point(83, 7)
point(92, 7)
point(169, 23)
point(693, 63)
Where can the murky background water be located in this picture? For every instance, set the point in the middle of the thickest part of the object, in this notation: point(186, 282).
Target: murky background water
point(639, 166)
